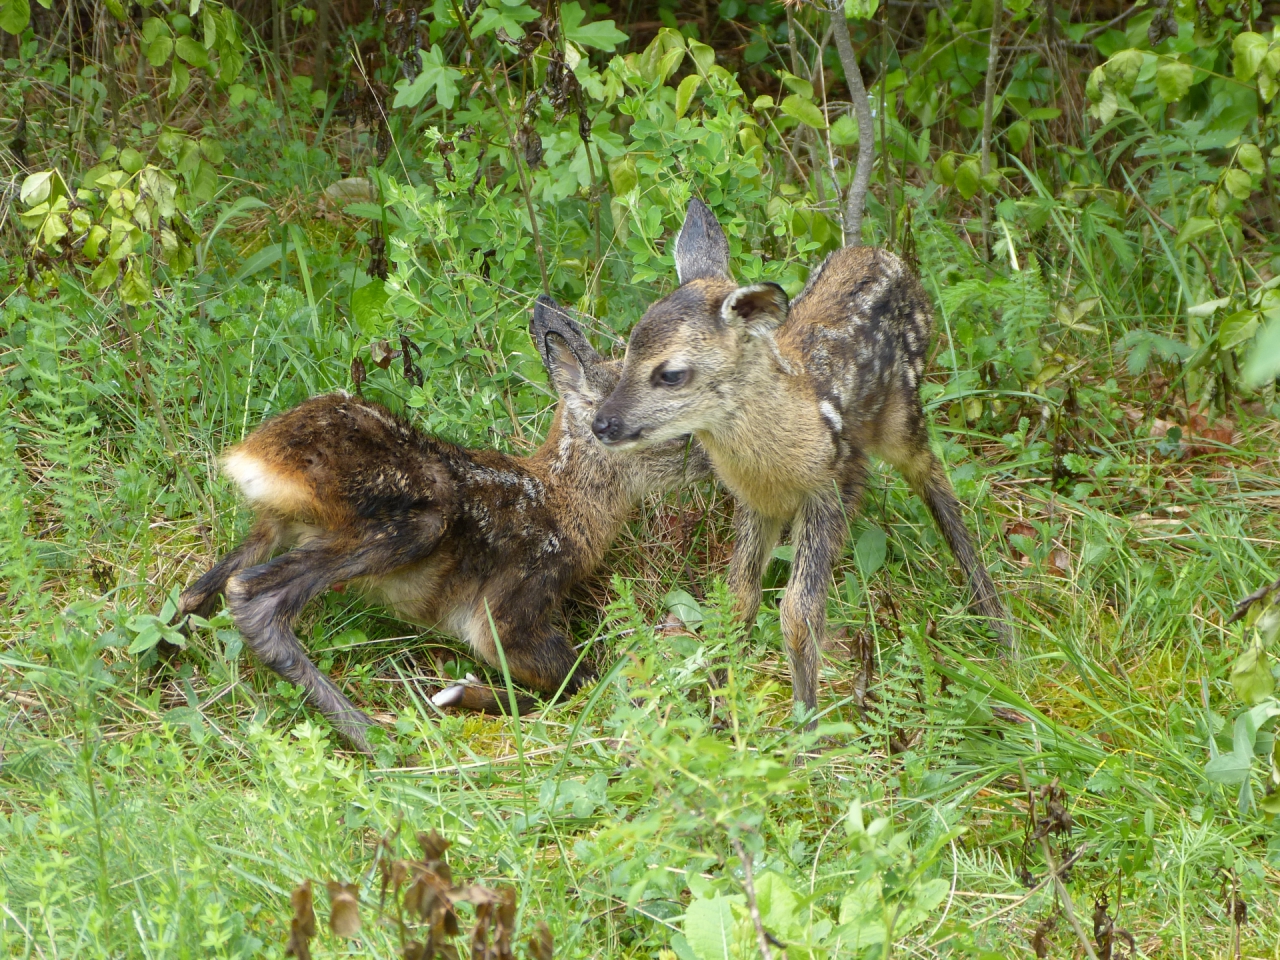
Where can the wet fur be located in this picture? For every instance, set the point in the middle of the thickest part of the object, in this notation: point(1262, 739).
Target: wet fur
point(450, 538)
point(788, 402)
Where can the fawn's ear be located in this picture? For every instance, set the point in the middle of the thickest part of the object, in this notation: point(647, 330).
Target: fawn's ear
point(570, 359)
point(757, 309)
point(700, 247)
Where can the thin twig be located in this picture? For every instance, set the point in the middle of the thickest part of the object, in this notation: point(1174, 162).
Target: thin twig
point(749, 883)
point(988, 106)
point(856, 203)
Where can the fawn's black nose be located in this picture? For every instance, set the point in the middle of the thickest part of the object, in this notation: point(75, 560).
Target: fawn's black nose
point(606, 429)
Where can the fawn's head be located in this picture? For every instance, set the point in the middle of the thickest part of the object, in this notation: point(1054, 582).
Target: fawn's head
point(689, 353)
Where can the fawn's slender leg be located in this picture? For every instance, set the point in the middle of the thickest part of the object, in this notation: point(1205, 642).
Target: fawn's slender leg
point(266, 600)
point(818, 533)
point(925, 474)
point(201, 597)
point(754, 538)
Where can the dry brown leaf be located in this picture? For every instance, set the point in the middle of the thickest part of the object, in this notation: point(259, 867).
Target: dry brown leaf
point(344, 908)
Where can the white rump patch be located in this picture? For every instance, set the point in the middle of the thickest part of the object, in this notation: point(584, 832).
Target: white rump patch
point(450, 696)
point(261, 485)
point(832, 416)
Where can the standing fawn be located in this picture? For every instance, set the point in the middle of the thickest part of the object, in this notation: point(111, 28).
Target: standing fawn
point(787, 405)
point(471, 542)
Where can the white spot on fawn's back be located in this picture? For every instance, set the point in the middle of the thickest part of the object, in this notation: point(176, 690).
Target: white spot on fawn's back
point(261, 485)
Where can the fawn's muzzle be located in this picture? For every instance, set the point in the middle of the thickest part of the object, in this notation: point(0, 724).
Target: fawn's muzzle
point(610, 430)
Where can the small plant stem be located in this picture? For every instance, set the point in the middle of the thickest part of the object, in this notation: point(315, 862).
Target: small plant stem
point(487, 78)
point(856, 203)
point(750, 884)
point(320, 67)
point(988, 105)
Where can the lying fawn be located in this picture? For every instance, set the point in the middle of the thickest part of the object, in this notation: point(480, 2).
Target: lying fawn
point(787, 404)
point(467, 541)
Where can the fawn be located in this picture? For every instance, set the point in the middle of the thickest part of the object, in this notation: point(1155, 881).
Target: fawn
point(471, 542)
point(788, 402)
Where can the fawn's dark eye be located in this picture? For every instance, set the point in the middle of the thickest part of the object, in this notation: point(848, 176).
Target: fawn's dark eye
point(664, 377)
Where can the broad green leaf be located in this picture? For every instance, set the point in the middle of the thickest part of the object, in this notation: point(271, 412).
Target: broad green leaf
point(105, 274)
point(870, 551)
point(212, 149)
point(602, 34)
point(1250, 158)
point(436, 75)
point(1249, 49)
point(179, 80)
point(1238, 328)
point(798, 85)
point(944, 169)
point(684, 93)
point(806, 111)
point(968, 178)
point(191, 51)
point(1123, 69)
point(159, 51)
point(1251, 676)
point(1237, 183)
point(860, 9)
point(134, 289)
point(703, 55)
point(93, 241)
point(508, 18)
point(205, 183)
point(1018, 134)
point(709, 928)
point(1263, 365)
point(131, 161)
point(14, 16)
point(684, 606)
point(844, 132)
point(158, 185)
point(1193, 228)
point(367, 305)
point(37, 188)
point(622, 174)
point(1173, 80)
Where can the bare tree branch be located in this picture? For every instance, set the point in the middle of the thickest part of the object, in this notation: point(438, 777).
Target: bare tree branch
point(856, 202)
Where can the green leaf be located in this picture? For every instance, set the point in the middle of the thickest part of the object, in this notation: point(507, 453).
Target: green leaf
point(1237, 183)
point(684, 93)
point(131, 161)
point(703, 55)
point(1173, 80)
point(602, 34)
point(1251, 676)
point(1249, 49)
point(37, 188)
point(212, 149)
point(623, 174)
point(1018, 134)
point(508, 19)
point(806, 111)
point(684, 606)
point(709, 928)
point(14, 16)
point(192, 52)
point(944, 170)
point(160, 188)
point(179, 80)
point(1250, 158)
point(1263, 365)
point(968, 178)
point(105, 275)
point(367, 305)
point(159, 51)
point(134, 289)
point(870, 551)
point(798, 85)
point(844, 132)
point(1193, 228)
point(1238, 328)
point(205, 184)
point(860, 9)
point(436, 74)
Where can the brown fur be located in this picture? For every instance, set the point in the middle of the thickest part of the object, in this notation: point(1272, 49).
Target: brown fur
point(466, 541)
point(788, 403)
